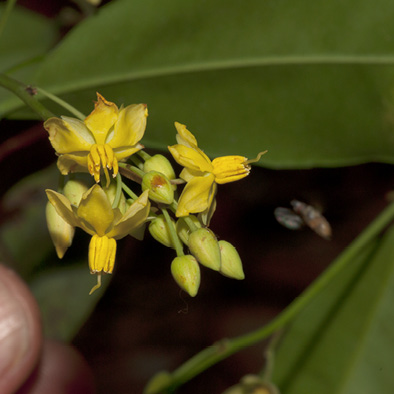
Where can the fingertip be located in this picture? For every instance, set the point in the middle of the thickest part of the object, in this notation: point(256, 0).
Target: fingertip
point(62, 370)
point(20, 331)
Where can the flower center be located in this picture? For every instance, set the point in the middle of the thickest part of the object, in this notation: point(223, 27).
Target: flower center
point(102, 156)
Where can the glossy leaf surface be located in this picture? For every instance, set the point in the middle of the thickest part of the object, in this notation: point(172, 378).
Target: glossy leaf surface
point(310, 82)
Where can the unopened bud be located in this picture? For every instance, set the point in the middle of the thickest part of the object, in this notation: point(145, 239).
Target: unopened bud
point(204, 247)
point(139, 232)
point(161, 164)
point(110, 192)
point(253, 384)
point(74, 190)
point(183, 229)
point(186, 272)
point(61, 232)
point(160, 188)
point(231, 262)
point(159, 230)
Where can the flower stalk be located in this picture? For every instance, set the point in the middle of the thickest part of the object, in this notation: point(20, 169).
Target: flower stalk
point(226, 347)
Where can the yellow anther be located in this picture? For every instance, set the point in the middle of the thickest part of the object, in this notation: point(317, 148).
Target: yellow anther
point(109, 155)
point(102, 156)
point(230, 168)
point(102, 252)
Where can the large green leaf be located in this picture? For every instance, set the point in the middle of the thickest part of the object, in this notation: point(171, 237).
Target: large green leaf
point(309, 81)
point(26, 38)
point(341, 343)
point(25, 241)
point(62, 295)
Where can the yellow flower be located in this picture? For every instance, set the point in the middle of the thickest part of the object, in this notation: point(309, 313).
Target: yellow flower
point(109, 134)
point(95, 215)
point(202, 174)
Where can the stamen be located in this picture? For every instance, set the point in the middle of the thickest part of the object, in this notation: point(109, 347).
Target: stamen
point(107, 176)
point(257, 158)
point(95, 287)
point(102, 156)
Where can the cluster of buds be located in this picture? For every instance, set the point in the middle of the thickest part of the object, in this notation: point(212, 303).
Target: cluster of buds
point(142, 190)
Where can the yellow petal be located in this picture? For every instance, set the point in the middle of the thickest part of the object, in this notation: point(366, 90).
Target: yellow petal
point(101, 119)
point(68, 135)
point(134, 217)
point(60, 231)
point(73, 163)
point(187, 174)
point(190, 158)
point(196, 196)
point(129, 128)
point(62, 206)
point(184, 136)
point(230, 168)
point(95, 211)
point(124, 152)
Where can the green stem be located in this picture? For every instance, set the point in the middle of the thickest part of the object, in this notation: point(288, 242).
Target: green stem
point(173, 235)
point(144, 156)
point(129, 192)
point(190, 223)
point(118, 191)
point(62, 103)
point(22, 91)
point(227, 347)
point(131, 168)
point(6, 13)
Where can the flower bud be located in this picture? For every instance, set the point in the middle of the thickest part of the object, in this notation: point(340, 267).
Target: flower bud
point(159, 230)
point(74, 190)
point(160, 188)
point(253, 384)
point(110, 192)
point(61, 232)
point(183, 229)
point(161, 164)
point(204, 247)
point(186, 272)
point(231, 262)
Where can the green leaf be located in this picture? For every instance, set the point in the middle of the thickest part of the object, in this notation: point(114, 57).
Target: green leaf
point(310, 82)
point(341, 342)
point(63, 297)
point(25, 241)
point(26, 38)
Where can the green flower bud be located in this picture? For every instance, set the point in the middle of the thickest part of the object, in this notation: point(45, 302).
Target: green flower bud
point(74, 189)
point(253, 384)
point(161, 164)
point(160, 189)
point(183, 229)
point(186, 272)
point(61, 232)
point(204, 247)
point(231, 262)
point(139, 232)
point(159, 230)
point(110, 192)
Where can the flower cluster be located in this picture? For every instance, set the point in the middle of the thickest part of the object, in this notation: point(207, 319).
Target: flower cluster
point(108, 141)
